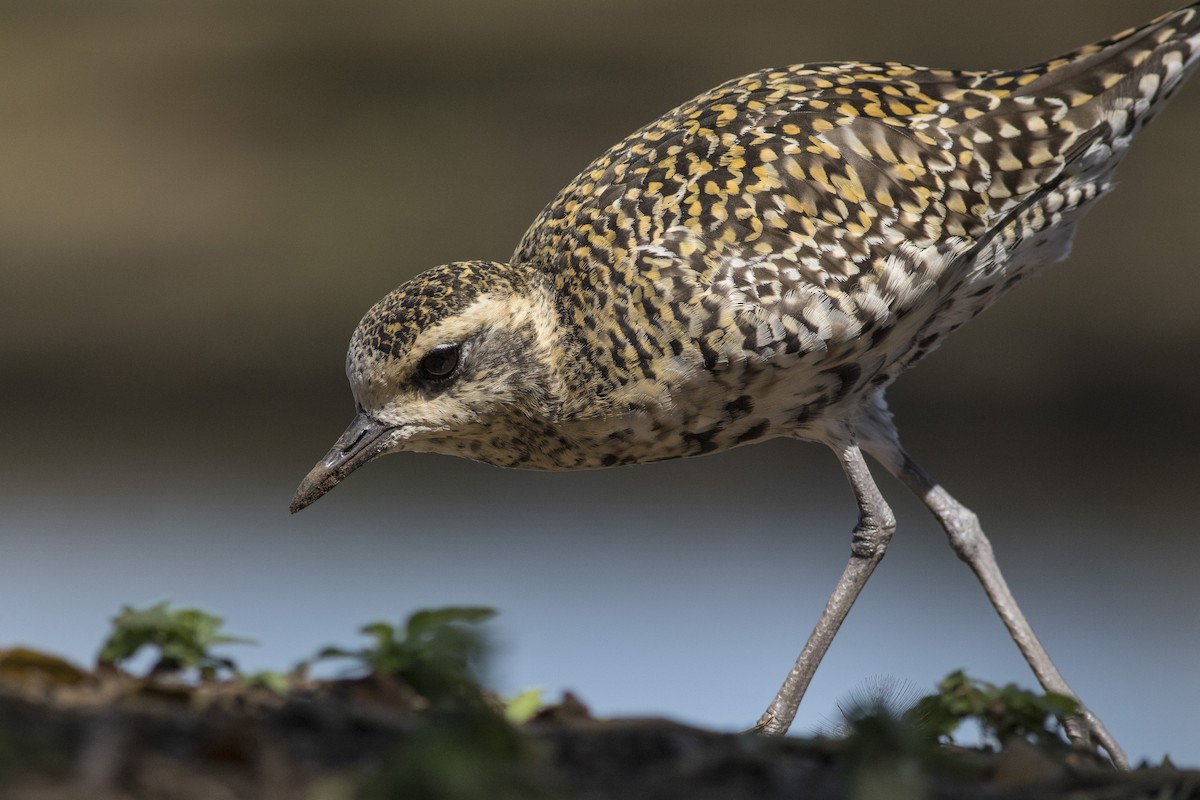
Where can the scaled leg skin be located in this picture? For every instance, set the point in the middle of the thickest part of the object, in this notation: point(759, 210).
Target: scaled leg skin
point(870, 540)
point(879, 438)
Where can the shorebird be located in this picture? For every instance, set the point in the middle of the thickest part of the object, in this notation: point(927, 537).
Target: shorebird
point(763, 261)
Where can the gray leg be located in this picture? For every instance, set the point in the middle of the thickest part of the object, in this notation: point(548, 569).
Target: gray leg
point(879, 438)
point(871, 537)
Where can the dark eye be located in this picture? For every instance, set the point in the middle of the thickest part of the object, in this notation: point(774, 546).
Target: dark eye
point(440, 362)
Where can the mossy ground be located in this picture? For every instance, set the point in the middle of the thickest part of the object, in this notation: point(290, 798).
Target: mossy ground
point(70, 734)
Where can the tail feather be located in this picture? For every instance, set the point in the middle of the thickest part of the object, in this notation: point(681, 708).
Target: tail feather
point(1123, 80)
point(1055, 133)
point(1096, 68)
point(1071, 119)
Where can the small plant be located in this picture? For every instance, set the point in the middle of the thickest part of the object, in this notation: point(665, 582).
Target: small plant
point(1004, 713)
point(521, 707)
point(183, 637)
point(886, 753)
point(467, 749)
point(278, 682)
point(892, 746)
point(878, 696)
point(434, 652)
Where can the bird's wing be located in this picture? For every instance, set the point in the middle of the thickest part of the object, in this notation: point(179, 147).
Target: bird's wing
point(850, 187)
point(823, 168)
point(827, 168)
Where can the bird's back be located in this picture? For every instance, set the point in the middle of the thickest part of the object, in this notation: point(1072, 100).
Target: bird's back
point(823, 225)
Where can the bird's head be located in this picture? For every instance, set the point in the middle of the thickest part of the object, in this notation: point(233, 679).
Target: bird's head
point(442, 363)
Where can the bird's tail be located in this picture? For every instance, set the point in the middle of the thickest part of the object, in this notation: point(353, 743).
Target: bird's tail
point(1065, 124)
point(1115, 86)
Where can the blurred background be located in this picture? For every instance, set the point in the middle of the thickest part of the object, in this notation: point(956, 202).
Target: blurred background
point(200, 199)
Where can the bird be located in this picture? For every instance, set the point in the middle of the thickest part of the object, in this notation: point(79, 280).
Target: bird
point(763, 261)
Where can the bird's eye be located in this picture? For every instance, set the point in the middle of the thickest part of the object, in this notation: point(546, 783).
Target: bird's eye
point(440, 362)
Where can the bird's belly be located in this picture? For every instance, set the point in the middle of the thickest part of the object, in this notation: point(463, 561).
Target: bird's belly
point(714, 411)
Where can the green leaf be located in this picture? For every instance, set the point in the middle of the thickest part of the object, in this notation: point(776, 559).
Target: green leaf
point(335, 652)
point(1003, 713)
point(437, 655)
point(380, 630)
point(183, 637)
point(277, 682)
point(520, 708)
point(427, 621)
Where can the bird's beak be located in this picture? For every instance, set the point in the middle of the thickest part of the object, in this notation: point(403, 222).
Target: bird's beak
point(361, 442)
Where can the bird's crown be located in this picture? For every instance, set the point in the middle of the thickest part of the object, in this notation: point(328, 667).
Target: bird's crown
point(452, 332)
point(391, 327)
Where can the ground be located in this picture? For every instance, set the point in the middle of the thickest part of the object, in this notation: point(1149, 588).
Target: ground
point(69, 734)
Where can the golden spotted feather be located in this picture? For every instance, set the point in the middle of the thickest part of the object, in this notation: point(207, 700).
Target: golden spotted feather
point(761, 261)
point(855, 211)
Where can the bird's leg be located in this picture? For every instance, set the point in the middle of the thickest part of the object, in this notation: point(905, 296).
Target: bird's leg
point(972, 546)
point(870, 540)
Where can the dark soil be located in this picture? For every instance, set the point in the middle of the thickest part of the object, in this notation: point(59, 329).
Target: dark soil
point(66, 734)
